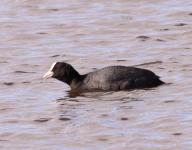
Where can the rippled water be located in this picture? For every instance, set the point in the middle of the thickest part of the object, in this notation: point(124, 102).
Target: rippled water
point(37, 114)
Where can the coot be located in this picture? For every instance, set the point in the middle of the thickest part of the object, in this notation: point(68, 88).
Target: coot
point(112, 78)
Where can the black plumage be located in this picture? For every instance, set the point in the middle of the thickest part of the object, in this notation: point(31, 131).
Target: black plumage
point(109, 78)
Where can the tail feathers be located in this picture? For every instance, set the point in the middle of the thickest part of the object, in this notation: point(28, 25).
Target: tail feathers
point(159, 82)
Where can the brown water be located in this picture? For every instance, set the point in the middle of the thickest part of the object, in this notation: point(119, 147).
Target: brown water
point(41, 115)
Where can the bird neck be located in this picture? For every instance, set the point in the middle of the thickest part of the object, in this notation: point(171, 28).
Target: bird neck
point(70, 77)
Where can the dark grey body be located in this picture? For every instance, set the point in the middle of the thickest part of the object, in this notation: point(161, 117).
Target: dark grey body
point(116, 78)
point(109, 78)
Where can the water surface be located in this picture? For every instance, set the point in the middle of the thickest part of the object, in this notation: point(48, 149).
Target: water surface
point(38, 114)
